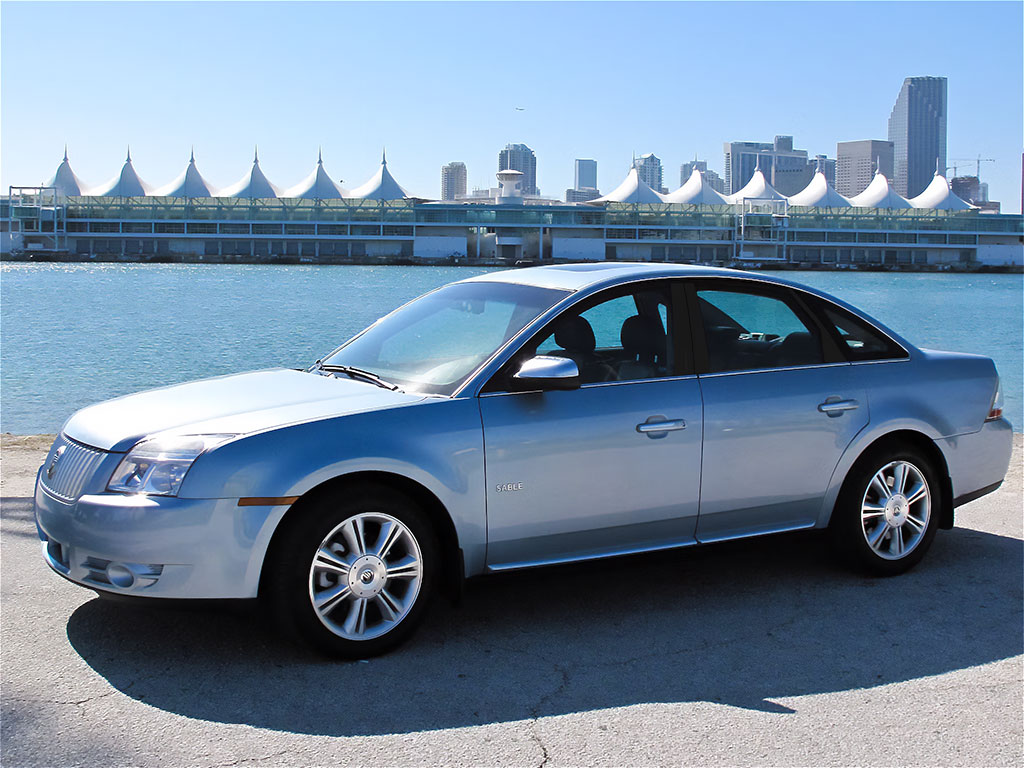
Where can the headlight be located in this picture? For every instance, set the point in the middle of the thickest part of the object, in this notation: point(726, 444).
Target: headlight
point(158, 466)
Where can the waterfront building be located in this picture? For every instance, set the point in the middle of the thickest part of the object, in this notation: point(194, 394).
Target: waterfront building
point(856, 162)
point(519, 157)
point(696, 191)
point(827, 166)
point(917, 129)
point(380, 223)
point(711, 178)
point(880, 195)
point(787, 169)
point(453, 181)
point(586, 174)
point(939, 196)
point(380, 186)
point(648, 168)
point(126, 184)
point(189, 184)
point(65, 181)
point(317, 186)
point(253, 186)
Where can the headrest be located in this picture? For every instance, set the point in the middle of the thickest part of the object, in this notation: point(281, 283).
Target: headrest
point(643, 336)
point(575, 334)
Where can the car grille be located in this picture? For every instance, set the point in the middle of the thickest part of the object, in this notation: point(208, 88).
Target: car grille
point(66, 477)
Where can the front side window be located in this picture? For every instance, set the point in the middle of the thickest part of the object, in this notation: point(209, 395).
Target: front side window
point(626, 337)
point(746, 331)
point(434, 343)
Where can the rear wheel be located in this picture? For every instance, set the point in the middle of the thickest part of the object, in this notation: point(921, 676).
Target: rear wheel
point(887, 512)
point(353, 576)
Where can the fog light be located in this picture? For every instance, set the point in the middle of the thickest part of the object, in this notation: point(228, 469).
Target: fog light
point(120, 575)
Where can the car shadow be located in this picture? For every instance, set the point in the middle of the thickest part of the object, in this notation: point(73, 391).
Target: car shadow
point(741, 624)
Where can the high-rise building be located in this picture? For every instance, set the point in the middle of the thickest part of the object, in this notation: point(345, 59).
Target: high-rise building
point(856, 162)
point(581, 195)
point(586, 174)
point(711, 178)
point(453, 180)
point(648, 168)
point(917, 130)
point(788, 170)
point(519, 157)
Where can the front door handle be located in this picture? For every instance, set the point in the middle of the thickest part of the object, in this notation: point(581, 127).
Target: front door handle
point(834, 407)
point(653, 428)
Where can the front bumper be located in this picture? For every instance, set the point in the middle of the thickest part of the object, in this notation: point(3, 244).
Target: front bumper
point(152, 546)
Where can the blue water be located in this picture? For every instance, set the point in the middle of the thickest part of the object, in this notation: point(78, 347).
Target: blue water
point(75, 334)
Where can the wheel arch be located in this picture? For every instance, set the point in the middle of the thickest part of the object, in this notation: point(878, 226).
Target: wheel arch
point(453, 570)
point(927, 446)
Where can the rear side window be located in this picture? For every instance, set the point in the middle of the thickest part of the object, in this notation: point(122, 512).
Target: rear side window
point(748, 330)
point(858, 340)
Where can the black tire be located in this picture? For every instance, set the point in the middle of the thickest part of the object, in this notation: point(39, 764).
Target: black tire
point(292, 582)
point(850, 531)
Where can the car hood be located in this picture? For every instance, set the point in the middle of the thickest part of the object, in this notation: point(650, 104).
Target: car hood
point(239, 404)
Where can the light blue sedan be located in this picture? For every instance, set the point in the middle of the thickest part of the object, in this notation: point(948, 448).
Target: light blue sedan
point(517, 419)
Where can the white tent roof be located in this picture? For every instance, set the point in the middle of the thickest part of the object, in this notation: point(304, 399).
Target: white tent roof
point(696, 192)
point(818, 194)
point(125, 184)
point(757, 188)
point(65, 180)
point(189, 184)
point(879, 194)
point(938, 196)
point(317, 186)
point(381, 186)
point(632, 190)
point(253, 185)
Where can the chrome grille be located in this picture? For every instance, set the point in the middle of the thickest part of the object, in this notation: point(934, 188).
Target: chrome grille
point(66, 477)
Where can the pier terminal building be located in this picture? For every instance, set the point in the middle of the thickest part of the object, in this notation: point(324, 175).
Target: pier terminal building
point(318, 221)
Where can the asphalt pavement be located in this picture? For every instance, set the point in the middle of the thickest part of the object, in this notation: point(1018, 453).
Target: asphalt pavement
point(763, 652)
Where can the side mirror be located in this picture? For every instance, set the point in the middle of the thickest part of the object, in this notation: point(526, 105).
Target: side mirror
point(545, 372)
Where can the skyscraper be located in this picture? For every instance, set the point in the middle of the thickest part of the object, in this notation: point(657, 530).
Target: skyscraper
point(648, 168)
point(519, 157)
point(855, 164)
point(711, 178)
point(586, 174)
point(788, 170)
point(917, 130)
point(453, 180)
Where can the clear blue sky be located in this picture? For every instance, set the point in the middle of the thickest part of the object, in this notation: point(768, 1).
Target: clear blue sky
point(439, 82)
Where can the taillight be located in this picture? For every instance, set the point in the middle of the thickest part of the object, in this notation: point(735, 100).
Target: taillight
point(996, 410)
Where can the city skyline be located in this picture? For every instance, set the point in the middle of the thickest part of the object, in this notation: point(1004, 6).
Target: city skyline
point(116, 105)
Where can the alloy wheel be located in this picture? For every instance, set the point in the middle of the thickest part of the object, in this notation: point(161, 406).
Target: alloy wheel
point(896, 510)
point(365, 576)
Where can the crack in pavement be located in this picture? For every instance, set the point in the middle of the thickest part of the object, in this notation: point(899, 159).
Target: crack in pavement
point(535, 713)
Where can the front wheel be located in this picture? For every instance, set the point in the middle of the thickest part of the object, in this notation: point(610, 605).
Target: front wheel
point(353, 577)
point(887, 513)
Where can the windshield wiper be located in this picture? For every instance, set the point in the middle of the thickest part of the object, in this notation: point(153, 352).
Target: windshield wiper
point(355, 373)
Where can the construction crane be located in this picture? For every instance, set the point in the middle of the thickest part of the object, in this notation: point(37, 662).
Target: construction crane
point(979, 160)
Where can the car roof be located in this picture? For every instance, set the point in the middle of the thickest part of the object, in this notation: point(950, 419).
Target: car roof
point(575, 277)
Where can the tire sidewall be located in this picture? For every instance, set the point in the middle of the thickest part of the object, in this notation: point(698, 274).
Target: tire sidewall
point(846, 527)
point(289, 589)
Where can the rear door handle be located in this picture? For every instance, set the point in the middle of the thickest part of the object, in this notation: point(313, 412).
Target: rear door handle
point(658, 427)
point(835, 408)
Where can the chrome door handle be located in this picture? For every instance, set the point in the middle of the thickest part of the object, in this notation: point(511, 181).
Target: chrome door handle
point(660, 426)
point(835, 408)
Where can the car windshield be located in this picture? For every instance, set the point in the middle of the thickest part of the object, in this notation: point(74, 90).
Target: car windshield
point(433, 344)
